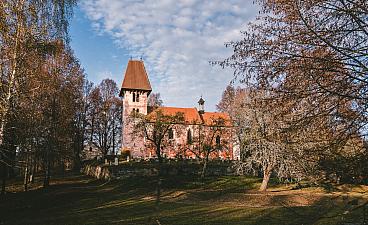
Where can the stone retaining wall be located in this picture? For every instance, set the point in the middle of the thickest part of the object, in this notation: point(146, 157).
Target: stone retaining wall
point(134, 169)
point(99, 171)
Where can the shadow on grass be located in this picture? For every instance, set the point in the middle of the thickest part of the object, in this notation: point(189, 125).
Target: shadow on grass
point(79, 199)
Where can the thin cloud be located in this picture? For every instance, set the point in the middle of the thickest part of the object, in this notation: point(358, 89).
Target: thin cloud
point(177, 39)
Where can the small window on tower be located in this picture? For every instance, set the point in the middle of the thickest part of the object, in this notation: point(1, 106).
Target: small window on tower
point(137, 98)
point(137, 110)
point(133, 97)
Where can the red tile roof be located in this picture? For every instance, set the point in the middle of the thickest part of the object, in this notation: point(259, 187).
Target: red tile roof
point(136, 77)
point(192, 116)
point(216, 118)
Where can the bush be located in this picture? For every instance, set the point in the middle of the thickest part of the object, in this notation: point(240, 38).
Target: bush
point(346, 169)
point(125, 154)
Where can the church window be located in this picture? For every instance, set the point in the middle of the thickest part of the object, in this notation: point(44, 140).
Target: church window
point(218, 141)
point(137, 97)
point(133, 96)
point(189, 137)
point(171, 134)
point(137, 110)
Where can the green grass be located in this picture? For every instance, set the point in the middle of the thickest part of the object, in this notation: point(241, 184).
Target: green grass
point(77, 199)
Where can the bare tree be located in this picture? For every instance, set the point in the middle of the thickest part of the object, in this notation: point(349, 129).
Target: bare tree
point(105, 117)
point(155, 127)
point(311, 55)
point(81, 123)
point(212, 140)
point(154, 101)
point(233, 101)
point(310, 51)
point(226, 103)
point(264, 145)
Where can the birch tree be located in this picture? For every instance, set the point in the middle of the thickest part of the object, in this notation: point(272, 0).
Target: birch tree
point(23, 22)
point(26, 30)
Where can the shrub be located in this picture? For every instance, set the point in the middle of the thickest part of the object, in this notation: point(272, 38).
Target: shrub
point(125, 154)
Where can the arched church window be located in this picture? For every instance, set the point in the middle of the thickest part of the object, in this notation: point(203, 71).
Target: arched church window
point(189, 137)
point(137, 110)
point(218, 141)
point(171, 134)
point(133, 96)
point(137, 97)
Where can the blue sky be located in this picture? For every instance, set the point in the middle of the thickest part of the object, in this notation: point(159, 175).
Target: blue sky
point(176, 38)
point(99, 55)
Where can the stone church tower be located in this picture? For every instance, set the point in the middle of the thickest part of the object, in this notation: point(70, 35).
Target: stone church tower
point(134, 91)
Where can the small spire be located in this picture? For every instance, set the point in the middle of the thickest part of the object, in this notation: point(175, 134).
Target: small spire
point(201, 105)
point(131, 58)
point(141, 58)
point(201, 101)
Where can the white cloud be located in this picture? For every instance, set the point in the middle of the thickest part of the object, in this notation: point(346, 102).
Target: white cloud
point(100, 75)
point(177, 39)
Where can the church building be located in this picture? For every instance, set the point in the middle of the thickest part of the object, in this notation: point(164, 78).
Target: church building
point(185, 138)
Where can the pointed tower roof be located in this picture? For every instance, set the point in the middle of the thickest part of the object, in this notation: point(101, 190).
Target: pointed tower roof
point(136, 77)
point(201, 101)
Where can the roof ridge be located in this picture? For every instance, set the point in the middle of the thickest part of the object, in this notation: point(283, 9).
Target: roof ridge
point(145, 72)
point(177, 107)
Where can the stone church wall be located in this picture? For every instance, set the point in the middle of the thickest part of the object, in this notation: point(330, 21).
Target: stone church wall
point(134, 144)
point(178, 147)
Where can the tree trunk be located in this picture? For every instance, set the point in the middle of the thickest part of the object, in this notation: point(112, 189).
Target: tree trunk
point(203, 174)
point(12, 154)
point(48, 173)
point(158, 193)
point(159, 181)
point(46, 181)
point(26, 176)
point(12, 78)
point(63, 169)
point(34, 170)
point(77, 160)
point(2, 126)
point(113, 137)
point(3, 170)
point(266, 178)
